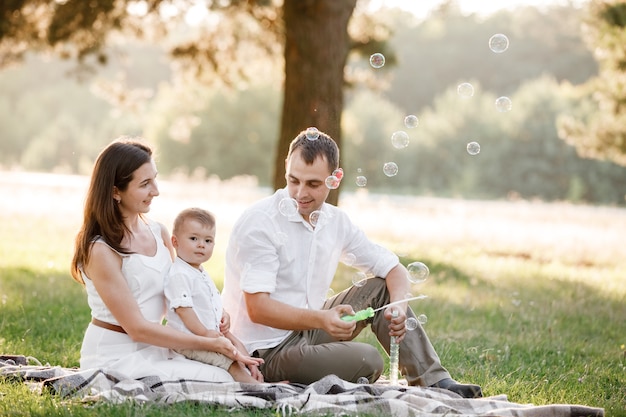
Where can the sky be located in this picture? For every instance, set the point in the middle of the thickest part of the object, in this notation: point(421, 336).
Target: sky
point(421, 8)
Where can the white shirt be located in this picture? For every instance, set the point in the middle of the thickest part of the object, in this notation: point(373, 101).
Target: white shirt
point(186, 286)
point(292, 261)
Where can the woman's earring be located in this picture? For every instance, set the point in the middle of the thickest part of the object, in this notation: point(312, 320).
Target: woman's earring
point(117, 201)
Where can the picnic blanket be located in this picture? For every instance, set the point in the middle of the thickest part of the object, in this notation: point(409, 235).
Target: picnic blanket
point(329, 395)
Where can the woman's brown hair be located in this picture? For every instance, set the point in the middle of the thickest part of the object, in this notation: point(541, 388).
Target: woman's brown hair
point(102, 218)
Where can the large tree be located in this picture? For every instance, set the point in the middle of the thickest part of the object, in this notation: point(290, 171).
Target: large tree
point(316, 49)
point(601, 133)
point(313, 35)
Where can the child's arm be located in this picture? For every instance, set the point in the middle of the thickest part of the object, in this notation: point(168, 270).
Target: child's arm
point(193, 324)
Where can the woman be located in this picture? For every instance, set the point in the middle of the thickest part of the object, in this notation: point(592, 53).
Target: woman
point(121, 258)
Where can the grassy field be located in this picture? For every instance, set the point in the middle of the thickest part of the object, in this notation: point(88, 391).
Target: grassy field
point(525, 298)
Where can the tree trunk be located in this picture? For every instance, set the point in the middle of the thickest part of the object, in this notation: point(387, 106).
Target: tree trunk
point(316, 49)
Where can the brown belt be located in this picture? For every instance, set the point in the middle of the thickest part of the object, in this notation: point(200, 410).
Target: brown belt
point(108, 326)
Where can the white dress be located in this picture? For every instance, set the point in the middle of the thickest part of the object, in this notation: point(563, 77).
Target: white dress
point(110, 350)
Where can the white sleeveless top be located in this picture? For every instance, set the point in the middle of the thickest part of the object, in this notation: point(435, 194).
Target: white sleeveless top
point(113, 351)
point(145, 277)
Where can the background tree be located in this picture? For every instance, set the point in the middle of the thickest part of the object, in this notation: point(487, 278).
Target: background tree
point(602, 133)
point(316, 50)
point(315, 38)
point(210, 117)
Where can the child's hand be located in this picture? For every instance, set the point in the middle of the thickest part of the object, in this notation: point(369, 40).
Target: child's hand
point(225, 322)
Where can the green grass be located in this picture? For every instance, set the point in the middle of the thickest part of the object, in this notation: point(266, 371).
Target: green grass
point(542, 330)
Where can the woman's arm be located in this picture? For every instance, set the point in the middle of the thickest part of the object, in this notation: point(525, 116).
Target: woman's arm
point(105, 270)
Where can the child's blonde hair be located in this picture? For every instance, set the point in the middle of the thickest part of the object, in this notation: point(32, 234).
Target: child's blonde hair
point(202, 216)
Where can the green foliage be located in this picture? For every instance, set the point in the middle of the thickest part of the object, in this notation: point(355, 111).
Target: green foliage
point(521, 154)
point(449, 48)
point(50, 122)
point(216, 131)
point(601, 133)
point(368, 124)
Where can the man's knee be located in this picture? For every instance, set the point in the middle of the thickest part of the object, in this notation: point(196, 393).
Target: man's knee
point(372, 365)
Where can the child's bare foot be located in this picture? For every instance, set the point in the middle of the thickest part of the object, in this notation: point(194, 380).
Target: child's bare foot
point(241, 374)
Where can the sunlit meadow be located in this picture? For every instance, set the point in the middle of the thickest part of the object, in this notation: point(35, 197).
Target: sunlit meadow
point(525, 298)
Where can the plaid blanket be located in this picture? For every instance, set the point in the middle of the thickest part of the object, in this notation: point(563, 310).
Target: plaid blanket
point(330, 395)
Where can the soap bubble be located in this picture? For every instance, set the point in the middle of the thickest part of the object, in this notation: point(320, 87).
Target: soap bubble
point(465, 90)
point(390, 169)
point(349, 259)
point(288, 206)
point(332, 182)
point(361, 181)
point(312, 133)
point(422, 318)
point(316, 218)
point(377, 60)
point(473, 148)
point(338, 173)
point(411, 323)
point(503, 104)
point(358, 279)
point(498, 43)
point(400, 139)
point(411, 121)
point(418, 272)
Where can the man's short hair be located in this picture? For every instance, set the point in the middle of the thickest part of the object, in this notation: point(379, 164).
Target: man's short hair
point(314, 143)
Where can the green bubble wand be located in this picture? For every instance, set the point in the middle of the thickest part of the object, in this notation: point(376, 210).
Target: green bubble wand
point(369, 311)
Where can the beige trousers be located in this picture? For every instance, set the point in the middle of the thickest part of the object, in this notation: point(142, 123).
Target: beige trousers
point(208, 357)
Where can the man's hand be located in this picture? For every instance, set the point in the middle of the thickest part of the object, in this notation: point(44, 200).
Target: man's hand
point(334, 326)
point(397, 326)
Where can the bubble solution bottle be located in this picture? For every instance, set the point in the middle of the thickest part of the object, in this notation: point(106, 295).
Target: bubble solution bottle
point(394, 352)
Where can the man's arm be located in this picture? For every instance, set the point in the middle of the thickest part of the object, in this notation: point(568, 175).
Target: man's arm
point(399, 287)
point(262, 309)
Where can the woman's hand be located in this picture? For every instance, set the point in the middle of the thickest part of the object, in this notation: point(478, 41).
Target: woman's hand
point(248, 360)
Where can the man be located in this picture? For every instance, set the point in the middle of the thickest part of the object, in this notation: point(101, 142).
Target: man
point(279, 267)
